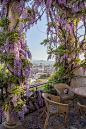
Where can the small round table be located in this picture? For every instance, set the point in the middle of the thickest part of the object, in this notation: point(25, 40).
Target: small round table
point(81, 91)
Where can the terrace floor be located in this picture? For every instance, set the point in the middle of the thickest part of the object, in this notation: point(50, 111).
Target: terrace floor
point(32, 120)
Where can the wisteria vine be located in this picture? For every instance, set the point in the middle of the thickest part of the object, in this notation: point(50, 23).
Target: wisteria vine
point(17, 16)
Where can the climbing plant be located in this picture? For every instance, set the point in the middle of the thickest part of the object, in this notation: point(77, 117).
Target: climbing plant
point(65, 41)
point(16, 17)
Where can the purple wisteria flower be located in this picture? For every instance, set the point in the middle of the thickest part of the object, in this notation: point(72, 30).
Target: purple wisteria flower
point(61, 59)
point(69, 66)
point(69, 60)
point(24, 108)
point(17, 67)
point(7, 45)
point(27, 90)
point(76, 7)
point(0, 3)
point(62, 2)
point(14, 100)
point(30, 103)
point(24, 14)
point(1, 51)
point(26, 73)
point(21, 27)
point(55, 40)
point(29, 54)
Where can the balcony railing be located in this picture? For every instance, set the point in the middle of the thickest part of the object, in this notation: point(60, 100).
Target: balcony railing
point(42, 85)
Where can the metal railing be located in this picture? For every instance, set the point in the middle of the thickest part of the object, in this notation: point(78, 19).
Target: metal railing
point(49, 84)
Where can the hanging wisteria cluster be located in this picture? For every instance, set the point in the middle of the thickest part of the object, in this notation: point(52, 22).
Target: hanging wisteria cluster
point(17, 16)
point(65, 42)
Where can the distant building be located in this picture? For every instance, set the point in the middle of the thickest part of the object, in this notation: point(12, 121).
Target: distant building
point(39, 69)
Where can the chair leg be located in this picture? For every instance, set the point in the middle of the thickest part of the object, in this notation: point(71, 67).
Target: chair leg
point(42, 113)
point(46, 121)
point(66, 118)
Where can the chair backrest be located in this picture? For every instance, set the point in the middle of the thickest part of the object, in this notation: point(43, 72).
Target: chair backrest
point(61, 86)
point(55, 100)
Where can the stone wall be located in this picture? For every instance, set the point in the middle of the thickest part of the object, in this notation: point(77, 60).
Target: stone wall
point(80, 79)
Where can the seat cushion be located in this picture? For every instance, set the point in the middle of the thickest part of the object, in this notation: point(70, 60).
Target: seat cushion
point(66, 96)
point(53, 109)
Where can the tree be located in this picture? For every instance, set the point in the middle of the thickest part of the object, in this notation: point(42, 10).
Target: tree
point(17, 16)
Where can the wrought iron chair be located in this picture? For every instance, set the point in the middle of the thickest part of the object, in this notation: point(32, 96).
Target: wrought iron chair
point(60, 87)
point(53, 106)
point(82, 111)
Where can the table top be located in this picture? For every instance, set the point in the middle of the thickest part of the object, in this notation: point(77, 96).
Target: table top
point(80, 91)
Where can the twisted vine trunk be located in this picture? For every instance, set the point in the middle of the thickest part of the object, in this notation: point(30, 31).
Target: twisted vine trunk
point(12, 16)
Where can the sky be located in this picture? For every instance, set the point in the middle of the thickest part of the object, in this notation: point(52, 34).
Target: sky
point(36, 35)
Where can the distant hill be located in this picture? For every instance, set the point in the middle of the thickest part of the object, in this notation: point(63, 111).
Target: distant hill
point(42, 61)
